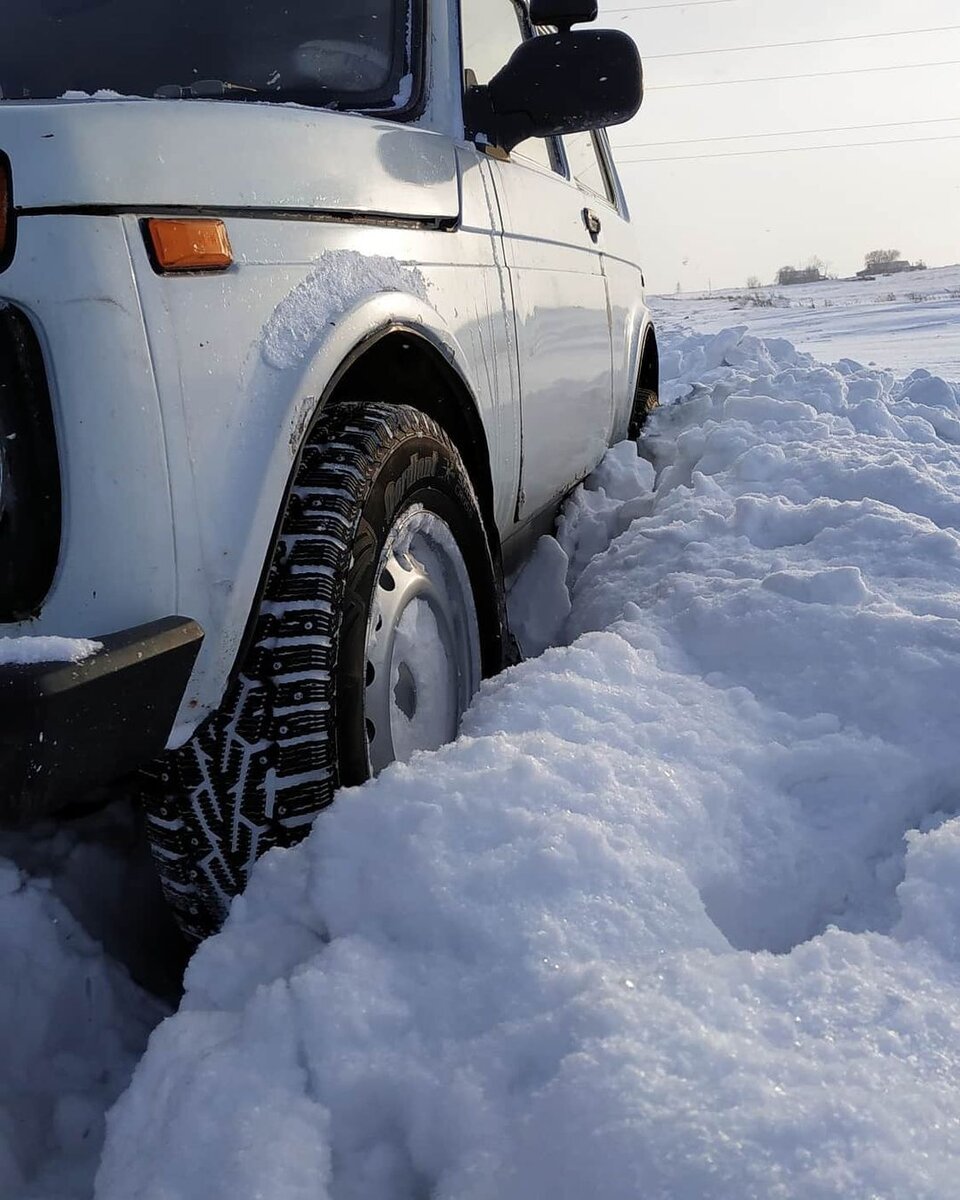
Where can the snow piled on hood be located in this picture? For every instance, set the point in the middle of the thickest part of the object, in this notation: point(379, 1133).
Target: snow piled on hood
point(679, 915)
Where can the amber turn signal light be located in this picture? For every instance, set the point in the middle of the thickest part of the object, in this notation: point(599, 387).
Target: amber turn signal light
point(6, 212)
point(189, 245)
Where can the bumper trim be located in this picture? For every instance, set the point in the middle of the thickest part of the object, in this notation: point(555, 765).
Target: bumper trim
point(66, 728)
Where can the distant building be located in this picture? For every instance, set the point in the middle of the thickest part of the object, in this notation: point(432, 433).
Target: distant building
point(887, 268)
point(787, 276)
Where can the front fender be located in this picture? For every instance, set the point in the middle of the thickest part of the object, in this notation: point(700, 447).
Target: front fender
point(233, 446)
point(311, 362)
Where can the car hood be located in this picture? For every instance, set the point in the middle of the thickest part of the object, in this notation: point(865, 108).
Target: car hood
point(124, 154)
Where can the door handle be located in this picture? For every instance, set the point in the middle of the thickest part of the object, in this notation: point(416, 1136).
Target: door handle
point(593, 224)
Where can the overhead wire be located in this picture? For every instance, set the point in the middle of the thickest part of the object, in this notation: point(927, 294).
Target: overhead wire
point(664, 87)
point(778, 78)
point(948, 137)
point(612, 12)
point(853, 37)
point(745, 137)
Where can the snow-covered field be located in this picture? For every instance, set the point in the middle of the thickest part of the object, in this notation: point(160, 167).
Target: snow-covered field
point(899, 322)
point(678, 917)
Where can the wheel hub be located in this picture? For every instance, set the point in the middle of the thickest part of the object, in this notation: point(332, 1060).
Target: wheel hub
point(423, 661)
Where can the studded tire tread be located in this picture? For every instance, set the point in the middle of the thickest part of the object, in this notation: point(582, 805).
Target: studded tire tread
point(257, 772)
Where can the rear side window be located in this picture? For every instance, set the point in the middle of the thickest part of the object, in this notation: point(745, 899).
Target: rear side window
point(336, 53)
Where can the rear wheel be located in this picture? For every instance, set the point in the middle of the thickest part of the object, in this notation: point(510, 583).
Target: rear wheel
point(381, 615)
point(647, 395)
point(644, 402)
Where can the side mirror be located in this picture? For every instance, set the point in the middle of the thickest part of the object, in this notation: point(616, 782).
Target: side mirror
point(562, 13)
point(558, 83)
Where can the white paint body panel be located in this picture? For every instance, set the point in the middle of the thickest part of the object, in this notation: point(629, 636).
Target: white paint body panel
point(212, 154)
point(181, 402)
point(563, 329)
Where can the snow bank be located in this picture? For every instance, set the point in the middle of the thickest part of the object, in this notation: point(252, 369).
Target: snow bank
point(27, 651)
point(72, 1026)
point(897, 321)
point(678, 915)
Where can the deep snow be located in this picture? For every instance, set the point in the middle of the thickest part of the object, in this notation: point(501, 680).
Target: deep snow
point(896, 322)
point(74, 902)
point(679, 914)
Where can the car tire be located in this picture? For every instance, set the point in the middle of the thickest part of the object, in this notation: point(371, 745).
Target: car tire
point(644, 402)
point(382, 528)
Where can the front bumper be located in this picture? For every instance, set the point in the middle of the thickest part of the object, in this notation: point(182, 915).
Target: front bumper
point(68, 727)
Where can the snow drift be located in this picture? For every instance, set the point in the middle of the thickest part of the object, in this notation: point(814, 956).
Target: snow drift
point(72, 1024)
point(679, 915)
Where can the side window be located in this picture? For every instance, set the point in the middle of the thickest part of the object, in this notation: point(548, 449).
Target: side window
point(586, 166)
point(491, 31)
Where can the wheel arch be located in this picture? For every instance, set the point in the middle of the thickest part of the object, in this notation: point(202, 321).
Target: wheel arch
point(647, 391)
point(413, 354)
point(423, 371)
point(649, 376)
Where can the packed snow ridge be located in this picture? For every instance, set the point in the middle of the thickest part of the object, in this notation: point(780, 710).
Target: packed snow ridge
point(72, 1023)
point(678, 916)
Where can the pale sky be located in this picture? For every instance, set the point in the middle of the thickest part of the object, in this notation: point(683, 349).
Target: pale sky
point(720, 220)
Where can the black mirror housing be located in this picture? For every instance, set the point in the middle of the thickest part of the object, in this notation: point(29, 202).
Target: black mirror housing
point(562, 13)
point(558, 83)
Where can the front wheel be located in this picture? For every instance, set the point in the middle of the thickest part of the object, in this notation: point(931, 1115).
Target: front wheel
point(381, 615)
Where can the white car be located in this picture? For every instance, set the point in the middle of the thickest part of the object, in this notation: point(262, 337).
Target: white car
point(309, 317)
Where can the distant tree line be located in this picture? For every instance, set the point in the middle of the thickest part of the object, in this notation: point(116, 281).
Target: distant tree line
point(879, 258)
point(876, 262)
point(887, 262)
point(813, 272)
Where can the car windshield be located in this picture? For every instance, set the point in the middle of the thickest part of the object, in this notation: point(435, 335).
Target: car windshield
point(341, 53)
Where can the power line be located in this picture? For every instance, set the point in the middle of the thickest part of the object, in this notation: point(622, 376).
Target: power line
point(855, 37)
point(745, 137)
point(612, 12)
point(947, 137)
point(666, 87)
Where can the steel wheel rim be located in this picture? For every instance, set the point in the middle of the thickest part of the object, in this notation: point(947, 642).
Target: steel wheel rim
point(423, 659)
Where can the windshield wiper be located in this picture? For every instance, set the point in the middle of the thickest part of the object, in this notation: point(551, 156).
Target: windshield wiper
point(203, 89)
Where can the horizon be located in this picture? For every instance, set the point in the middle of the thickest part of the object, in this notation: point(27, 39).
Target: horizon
point(716, 289)
point(770, 136)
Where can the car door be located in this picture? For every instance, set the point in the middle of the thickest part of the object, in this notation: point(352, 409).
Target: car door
point(558, 286)
point(591, 166)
